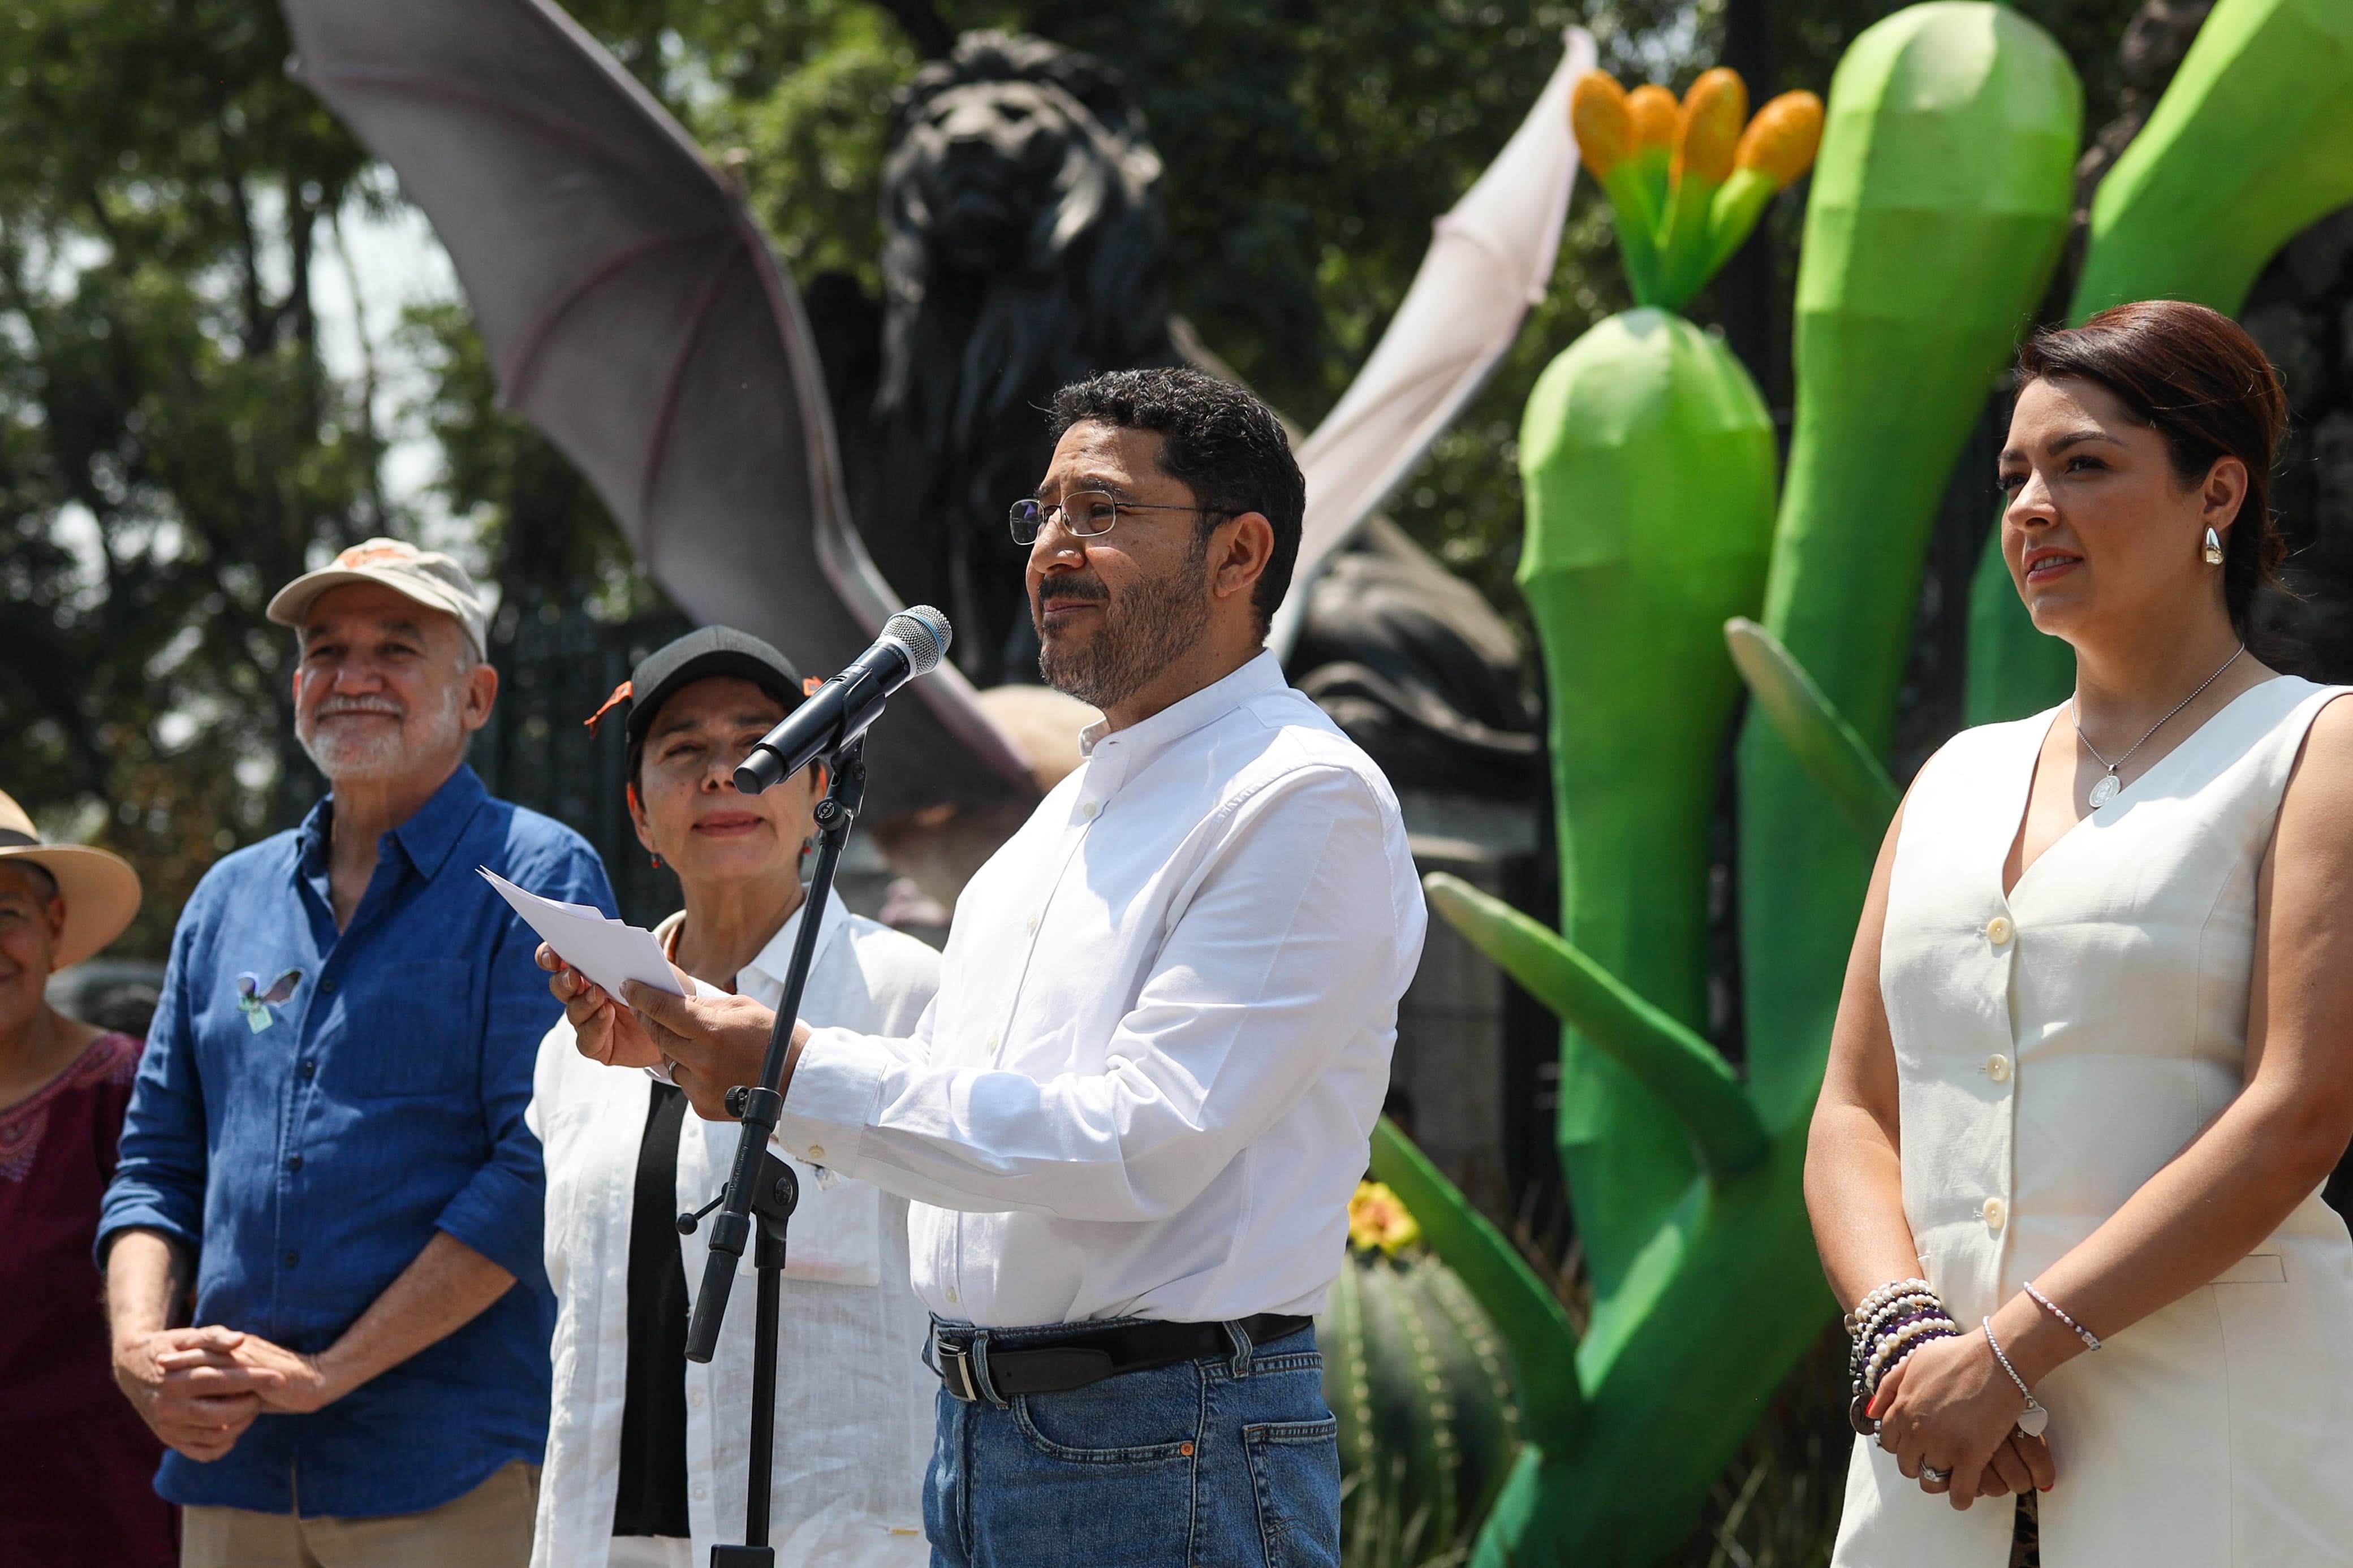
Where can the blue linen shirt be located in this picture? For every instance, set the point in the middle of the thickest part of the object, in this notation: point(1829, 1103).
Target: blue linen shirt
point(306, 1163)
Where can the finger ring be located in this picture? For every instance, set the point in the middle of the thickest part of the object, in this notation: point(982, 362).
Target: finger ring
point(1931, 1473)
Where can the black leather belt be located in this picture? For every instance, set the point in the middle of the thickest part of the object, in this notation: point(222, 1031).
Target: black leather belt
point(973, 1368)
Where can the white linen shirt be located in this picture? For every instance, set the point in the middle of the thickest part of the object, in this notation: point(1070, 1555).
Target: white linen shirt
point(853, 1400)
point(1163, 1031)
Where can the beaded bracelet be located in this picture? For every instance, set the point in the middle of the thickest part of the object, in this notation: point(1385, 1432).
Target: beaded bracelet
point(2091, 1340)
point(1863, 1308)
point(1887, 1326)
point(1887, 1318)
point(1884, 1328)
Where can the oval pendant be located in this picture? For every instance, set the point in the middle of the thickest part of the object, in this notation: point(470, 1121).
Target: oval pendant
point(1858, 1416)
point(2034, 1421)
point(2105, 790)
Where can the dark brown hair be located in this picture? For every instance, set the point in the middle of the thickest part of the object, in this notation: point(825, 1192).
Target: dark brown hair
point(2194, 376)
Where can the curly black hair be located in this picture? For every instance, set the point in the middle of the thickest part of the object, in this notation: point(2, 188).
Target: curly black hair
point(1222, 443)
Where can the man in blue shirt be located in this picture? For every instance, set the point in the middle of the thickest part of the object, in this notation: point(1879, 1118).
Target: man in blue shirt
point(326, 1140)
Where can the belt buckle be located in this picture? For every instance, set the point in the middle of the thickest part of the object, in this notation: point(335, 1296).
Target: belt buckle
point(954, 1368)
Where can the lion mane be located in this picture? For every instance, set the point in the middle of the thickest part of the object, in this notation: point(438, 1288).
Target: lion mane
point(1024, 238)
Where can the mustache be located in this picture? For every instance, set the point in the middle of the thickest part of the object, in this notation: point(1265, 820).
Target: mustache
point(1089, 588)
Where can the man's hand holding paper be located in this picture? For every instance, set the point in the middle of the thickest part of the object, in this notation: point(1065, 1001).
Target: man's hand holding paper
point(712, 1042)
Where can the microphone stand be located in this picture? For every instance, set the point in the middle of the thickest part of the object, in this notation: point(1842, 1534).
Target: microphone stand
point(763, 1188)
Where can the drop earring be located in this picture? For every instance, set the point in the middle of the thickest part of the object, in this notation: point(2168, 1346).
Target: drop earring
point(2213, 548)
point(656, 860)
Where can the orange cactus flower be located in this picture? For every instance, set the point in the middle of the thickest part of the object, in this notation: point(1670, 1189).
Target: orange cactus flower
point(1708, 126)
point(1781, 141)
point(1654, 111)
point(1598, 118)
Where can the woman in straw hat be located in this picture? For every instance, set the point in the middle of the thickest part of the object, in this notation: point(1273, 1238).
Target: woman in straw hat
point(77, 1465)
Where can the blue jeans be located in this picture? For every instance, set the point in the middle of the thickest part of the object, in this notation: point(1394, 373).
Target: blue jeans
point(1224, 1462)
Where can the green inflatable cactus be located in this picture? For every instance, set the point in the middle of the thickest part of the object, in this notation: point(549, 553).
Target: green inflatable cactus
point(1647, 453)
point(1423, 1388)
point(1937, 209)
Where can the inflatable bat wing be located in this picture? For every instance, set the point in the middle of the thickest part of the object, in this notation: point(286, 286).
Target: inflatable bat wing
point(634, 311)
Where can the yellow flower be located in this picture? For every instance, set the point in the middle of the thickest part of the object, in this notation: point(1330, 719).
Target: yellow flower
point(1377, 1217)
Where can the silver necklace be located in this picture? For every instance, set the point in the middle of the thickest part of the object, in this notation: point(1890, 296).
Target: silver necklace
point(2105, 790)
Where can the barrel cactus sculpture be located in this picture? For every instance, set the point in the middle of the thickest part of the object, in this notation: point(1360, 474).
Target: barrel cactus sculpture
point(1938, 208)
point(1423, 1388)
point(2251, 144)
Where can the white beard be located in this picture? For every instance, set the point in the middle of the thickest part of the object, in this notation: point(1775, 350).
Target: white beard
point(374, 752)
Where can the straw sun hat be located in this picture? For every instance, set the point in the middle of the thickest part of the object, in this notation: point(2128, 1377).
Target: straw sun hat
point(101, 889)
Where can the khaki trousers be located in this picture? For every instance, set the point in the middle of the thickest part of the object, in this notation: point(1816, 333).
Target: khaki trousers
point(489, 1527)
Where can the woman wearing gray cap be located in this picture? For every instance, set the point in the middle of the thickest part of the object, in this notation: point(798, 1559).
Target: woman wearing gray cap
point(646, 1453)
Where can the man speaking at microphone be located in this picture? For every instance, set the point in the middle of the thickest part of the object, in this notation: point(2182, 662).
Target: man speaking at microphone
point(1131, 1121)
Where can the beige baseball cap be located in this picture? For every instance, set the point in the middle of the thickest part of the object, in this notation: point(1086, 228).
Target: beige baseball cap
point(427, 576)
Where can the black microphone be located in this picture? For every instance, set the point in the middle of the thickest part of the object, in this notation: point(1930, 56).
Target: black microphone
point(839, 711)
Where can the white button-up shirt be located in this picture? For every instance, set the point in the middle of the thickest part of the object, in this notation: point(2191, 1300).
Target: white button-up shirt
point(853, 1400)
point(1162, 1034)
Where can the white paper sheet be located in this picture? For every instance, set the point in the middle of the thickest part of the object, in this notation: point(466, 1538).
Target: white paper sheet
point(607, 950)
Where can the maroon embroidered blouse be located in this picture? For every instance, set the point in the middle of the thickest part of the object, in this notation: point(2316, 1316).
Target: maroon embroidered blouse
point(77, 1465)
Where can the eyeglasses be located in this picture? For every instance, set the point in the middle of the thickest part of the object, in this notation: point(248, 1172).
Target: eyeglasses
point(1084, 514)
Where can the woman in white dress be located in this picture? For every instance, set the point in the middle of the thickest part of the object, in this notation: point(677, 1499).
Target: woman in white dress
point(647, 1452)
point(2094, 1056)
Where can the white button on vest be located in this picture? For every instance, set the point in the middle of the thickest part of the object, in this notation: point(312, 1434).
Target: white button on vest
point(1998, 931)
point(1995, 1211)
point(1030, 924)
point(1997, 1068)
point(992, 1041)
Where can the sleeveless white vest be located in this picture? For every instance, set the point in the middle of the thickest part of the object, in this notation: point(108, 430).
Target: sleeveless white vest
point(2055, 1048)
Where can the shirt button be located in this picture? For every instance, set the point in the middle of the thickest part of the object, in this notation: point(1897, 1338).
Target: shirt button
point(1030, 924)
point(817, 1151)
point(1094, 808)
point(293, 1257)
point(701, 1493)
point(293, 1162)
point(1997, 1068)
point(952, 1296)
point(1999, 930)
point(309, 1070)
point(992, 1042)
point(694, 1397)
point(1995, 1211)
point(326, 988)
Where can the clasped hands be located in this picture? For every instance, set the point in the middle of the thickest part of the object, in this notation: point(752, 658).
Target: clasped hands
point(710, 1042)
point(199, 1389)
point(1949, 1405)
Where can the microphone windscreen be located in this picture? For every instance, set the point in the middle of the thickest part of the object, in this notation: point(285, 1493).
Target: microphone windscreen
point(923, 632)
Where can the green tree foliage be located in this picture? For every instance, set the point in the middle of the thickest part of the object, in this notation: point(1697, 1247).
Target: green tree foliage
point(170, 449)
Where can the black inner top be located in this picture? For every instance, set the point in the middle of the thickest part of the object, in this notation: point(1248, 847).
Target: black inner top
point(651, 1500)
